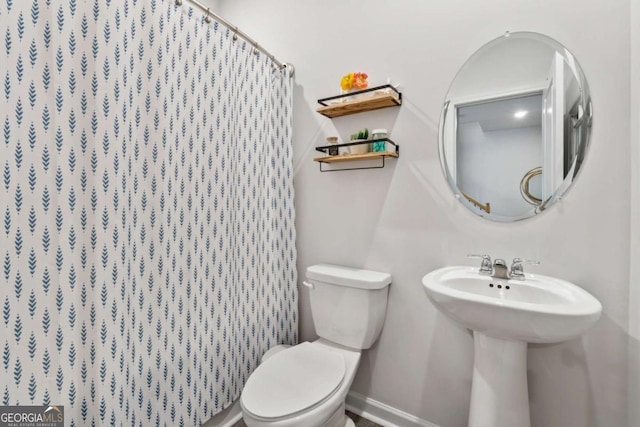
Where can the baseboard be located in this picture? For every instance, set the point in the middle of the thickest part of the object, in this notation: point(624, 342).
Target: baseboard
point(233, 420)
point(383, 414)
point(226, 418)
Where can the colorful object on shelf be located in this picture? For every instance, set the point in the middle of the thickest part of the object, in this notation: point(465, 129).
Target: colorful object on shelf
point(352, 81)
point(379, 145)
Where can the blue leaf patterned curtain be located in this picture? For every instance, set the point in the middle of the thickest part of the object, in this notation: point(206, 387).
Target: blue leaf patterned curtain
point(147, 240)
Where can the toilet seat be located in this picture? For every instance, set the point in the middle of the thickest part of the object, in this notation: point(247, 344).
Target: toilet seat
point(293, 381)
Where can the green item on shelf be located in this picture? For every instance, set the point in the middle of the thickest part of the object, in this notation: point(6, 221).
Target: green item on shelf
point(361, 134)
point(379, 146)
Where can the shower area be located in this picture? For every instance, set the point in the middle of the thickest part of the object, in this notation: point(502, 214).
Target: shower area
point(148, 241)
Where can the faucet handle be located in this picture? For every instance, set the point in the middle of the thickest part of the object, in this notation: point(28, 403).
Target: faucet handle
point(517, 271)
point(485, 266)
point(525, 261)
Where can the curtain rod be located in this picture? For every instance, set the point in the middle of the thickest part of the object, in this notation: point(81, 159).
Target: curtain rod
point(210, 15)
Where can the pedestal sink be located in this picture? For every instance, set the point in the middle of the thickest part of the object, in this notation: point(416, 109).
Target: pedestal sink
point(504, 316)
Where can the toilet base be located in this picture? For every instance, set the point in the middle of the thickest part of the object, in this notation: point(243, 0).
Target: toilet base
point(338, 419)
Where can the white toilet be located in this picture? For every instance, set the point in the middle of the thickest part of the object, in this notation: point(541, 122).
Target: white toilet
point(306, 385)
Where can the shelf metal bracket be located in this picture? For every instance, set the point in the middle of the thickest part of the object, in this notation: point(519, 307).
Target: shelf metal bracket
point(352, 169)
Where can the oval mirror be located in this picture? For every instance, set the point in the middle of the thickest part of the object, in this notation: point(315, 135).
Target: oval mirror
point(515, 127)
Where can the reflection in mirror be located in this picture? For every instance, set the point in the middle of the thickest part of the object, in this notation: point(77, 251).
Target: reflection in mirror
point(515, 127)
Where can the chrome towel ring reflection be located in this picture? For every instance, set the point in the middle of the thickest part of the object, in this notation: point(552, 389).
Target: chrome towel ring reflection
point(524, 186)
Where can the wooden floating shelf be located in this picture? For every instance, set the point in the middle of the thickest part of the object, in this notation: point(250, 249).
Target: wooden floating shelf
point(358, 106)
point(371, 155)
point(351, 157)
point(361, 101)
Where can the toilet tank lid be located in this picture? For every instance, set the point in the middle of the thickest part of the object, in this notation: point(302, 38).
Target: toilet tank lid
point(348, 276)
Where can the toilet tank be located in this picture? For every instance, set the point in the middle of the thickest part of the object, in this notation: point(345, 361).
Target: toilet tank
point(348, 304)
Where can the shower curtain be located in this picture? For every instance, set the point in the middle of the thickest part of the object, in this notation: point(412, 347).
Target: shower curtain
point(147, 241)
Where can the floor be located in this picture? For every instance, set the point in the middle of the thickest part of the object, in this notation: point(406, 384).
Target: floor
point(360, 422)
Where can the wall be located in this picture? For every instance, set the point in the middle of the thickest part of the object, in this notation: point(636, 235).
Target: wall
point(404, 220)
point(634, 279)
point(212, 4)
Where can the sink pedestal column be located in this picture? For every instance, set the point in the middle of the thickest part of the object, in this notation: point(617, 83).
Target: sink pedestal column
point(499, 395)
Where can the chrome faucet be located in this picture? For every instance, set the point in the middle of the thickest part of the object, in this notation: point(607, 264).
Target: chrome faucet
point(499, 270)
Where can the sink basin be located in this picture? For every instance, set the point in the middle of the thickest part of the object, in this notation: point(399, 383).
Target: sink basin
point(540, 309)
point(505, 315)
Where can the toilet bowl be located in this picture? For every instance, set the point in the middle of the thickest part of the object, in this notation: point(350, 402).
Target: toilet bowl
point(307, 384)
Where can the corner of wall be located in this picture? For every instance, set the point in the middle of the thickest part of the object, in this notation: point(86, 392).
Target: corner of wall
point(633, 395)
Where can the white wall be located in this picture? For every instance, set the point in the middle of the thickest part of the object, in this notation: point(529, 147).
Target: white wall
point(212, 4)
point(404, 220)
point(634, 279)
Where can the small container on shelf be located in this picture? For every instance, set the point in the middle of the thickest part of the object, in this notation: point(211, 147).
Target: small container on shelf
point(359, 149)
point(379, 144)
point(362, 148)
point(331, 140)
